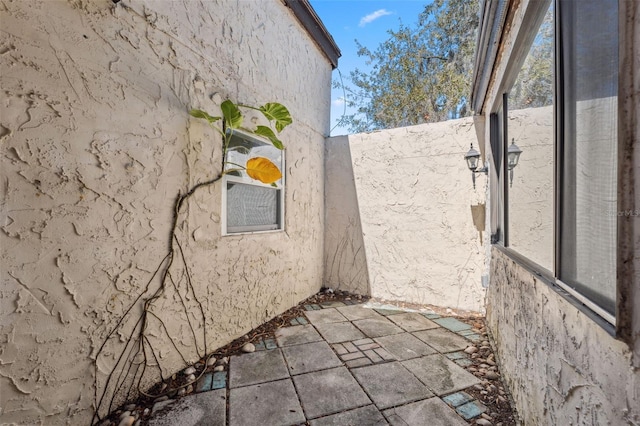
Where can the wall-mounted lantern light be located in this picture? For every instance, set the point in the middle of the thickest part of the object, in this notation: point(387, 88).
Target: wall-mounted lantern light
point(513, 156)
point(472, 156)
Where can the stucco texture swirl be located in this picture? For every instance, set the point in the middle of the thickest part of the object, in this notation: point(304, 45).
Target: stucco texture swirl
point(96, 144)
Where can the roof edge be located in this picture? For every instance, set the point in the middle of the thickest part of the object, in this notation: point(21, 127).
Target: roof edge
point(303, 10)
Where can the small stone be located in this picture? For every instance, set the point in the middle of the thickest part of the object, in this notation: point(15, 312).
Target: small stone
point(146, 412)
point(224, 360)
point(347, 298)
point(211, 361)
point(486, 416)
point(189, 371)
point(218, 368)
point(472, 369)
point(248, 348)
point(130, 407)
point(491, 375)
point(471, 350)
point(189, 388)
point(485, 343)
point(483, 422)
point(137, 423)
point(161, 399)
point(125, 414)
point(191, 378)
point(163, 387)
point(127, 421)
point(478, 387)
point(181, 391)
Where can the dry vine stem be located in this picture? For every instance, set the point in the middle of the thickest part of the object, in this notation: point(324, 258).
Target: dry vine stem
point(126, 377)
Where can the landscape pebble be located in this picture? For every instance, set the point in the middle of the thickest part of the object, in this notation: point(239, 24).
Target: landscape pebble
point(127, 421)
point(189, 371)
point(248, 348)
point(471, 350)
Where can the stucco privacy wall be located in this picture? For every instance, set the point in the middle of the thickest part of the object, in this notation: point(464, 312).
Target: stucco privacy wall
point(414, 231)
point(96, 143)
point(561, 367)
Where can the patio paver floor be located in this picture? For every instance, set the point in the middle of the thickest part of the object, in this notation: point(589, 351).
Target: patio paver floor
point(349, 365)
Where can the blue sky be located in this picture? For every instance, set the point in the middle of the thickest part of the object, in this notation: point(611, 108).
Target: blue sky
point(368, 22)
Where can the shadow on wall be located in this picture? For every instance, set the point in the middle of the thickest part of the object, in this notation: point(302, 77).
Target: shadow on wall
point(478, 217)
point(345, 261)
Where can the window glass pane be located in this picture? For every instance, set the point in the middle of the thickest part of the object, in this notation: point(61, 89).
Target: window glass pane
point(530, 130)
point(589, 183)
point(243, 147)
point(251, 207)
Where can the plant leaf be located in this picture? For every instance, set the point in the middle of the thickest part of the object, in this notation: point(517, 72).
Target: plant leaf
point(198, 113)
point(277, 112)
point(262, 169)
point(268, 133)
point(232, 115)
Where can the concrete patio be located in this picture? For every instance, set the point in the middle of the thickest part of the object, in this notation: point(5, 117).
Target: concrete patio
point(344, 365)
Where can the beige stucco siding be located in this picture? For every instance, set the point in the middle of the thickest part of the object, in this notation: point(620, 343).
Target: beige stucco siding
point(96, 144)
point(422, 223)
point(560, 366)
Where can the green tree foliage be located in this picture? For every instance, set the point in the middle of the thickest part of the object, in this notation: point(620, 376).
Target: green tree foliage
point(419, 74)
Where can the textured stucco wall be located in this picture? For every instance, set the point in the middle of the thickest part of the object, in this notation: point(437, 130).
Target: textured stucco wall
point(561, 367)
point(422, 223)
point(96, 143)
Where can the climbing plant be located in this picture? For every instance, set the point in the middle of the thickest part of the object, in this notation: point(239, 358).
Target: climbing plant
point(133, 329)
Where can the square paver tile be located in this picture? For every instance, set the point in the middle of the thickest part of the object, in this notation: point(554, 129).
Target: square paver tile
point(442, 340)
point(358, 312)
point(387, 312)
point(363, 416)
point(332, 304)
point(257, 367)
point(405, 346)
point(329, 391)
point(440, 375)
point(339, 332)
point(457, 399)
point(325, 316)
point(200, 409)
point(452, 324)
point(432, 412)
point(296, 335)
point(273, 403)
point(471, 409)
point(377, 327)
point(310, 357)
point(390, 384)
point(413, 321)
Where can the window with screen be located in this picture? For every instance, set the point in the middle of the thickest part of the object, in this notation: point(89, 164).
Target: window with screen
point(249, 205)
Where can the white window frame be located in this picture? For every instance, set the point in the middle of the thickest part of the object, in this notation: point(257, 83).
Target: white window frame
point(246, 180)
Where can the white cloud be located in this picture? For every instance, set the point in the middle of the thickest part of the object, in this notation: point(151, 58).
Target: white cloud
point(373, 16)
point(339, 102)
